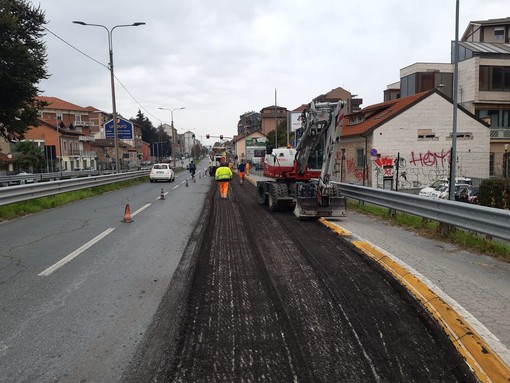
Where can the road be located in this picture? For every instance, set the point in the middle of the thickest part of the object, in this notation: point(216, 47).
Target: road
point(264, 297)
point(84, 320)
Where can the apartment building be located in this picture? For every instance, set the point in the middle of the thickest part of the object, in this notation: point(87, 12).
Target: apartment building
point(64, 132)
point(484, 83)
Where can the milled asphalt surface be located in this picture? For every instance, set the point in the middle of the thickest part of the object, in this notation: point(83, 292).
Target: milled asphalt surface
point(475, 285)
point(265, 297)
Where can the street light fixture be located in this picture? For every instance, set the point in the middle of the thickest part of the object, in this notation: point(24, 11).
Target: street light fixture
point(173, 138)
point(112, 79)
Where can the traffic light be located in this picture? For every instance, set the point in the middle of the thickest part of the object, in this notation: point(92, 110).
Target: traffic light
point(221, 136)
point(207, 136)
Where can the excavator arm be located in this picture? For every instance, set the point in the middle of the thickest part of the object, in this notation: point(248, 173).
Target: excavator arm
point(321, 122)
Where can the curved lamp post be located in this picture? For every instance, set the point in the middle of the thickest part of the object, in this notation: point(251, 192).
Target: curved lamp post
point(173, 138)
point(112, 79)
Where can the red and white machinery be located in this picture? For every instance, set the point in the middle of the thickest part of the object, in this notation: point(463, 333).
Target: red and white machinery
point(219, 156)
point(300, 177)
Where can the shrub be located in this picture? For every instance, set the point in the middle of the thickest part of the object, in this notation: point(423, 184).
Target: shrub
point(495, 193)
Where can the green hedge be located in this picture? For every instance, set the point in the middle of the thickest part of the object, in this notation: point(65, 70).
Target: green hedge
point(495, 193)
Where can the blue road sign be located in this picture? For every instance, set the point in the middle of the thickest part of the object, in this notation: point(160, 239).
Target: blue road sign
point(124, 129)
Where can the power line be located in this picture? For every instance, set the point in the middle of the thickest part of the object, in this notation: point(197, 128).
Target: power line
point(76, 49)
point(93, 59)
point(106, 66)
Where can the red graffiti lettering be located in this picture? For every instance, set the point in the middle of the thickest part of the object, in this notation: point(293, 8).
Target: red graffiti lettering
point(431, 158)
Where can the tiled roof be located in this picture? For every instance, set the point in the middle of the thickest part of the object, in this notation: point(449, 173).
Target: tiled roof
point(378, 114)
point(57, 103)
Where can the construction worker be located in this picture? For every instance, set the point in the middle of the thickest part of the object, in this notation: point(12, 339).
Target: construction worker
point(223, 175)
point(242, 169)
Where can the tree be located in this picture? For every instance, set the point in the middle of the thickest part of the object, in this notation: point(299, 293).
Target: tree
point(282, 135)
point(22, 66)
point(149, 132)
point(32, 156)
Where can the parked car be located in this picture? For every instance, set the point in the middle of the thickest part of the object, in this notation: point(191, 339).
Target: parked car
point(473, 196)
point(443, 192)
point(432, 187)
point(163, 172)
point(467, 194)
point(427, 191)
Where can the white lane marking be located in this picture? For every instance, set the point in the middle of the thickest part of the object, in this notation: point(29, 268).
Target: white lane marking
point(75, 253)
point(175, 187)
point(141, 209)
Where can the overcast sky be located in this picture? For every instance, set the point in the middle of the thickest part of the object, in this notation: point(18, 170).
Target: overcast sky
point(222, 58)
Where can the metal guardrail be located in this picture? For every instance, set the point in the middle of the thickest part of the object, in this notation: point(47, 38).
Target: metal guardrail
point(54, 176)
point(480, 219)
point(27, 192)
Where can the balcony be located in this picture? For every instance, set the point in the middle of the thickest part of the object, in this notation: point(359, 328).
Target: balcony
point(83, 123)
point(79, 153)
point(503, 134)
point(86, 138)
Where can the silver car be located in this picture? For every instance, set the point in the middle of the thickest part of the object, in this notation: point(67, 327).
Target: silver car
point(162, 172)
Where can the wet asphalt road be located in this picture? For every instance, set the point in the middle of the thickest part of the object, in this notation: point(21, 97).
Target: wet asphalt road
point(264, 297)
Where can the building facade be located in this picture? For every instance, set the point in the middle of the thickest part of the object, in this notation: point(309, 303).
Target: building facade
point(414, 132)
point(484, 83)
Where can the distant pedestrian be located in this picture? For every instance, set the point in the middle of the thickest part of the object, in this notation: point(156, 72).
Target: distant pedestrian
point(242, 170)
point(223, 175)
point(247, 168)
point(192, 168)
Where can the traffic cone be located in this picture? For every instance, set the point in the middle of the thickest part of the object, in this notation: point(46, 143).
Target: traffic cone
point(127, 214)
point(162, 194)
point(194, 179)
point(187, 182)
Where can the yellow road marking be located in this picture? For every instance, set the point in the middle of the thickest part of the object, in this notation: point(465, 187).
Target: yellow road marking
point(485, 363)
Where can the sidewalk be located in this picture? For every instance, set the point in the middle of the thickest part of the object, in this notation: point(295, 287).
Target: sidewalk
point(477, 287)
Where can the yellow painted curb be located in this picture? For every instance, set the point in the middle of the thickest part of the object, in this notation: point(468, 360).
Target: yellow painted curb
point(486, 364)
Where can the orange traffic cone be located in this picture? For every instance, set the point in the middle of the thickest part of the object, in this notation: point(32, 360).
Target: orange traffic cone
point(194, 179)
point(162, 194)
point(187, 182)
point(127, 214)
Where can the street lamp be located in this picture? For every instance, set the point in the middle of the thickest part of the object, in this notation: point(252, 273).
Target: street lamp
point(173, 138)
point(112, 79)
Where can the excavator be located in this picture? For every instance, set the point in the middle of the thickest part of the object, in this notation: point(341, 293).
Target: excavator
point(300, 177)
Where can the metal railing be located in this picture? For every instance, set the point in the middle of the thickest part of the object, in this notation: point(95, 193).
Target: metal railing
point(27, 192)
point(479, 219)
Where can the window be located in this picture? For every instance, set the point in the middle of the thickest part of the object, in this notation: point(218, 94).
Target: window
point(499, 33)
point(498, 118)
point(427, 135)
point(494, 78)
point(461, 136)
point(491, 164)
point(59, 116)
point(360, 158)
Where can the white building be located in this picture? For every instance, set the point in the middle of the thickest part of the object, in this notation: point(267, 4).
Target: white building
point(417, 130)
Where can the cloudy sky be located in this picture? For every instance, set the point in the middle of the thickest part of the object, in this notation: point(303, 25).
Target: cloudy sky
point(222, 58)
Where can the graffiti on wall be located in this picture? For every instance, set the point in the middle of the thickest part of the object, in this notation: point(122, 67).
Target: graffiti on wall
point(418, 170)
point(429, 158)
